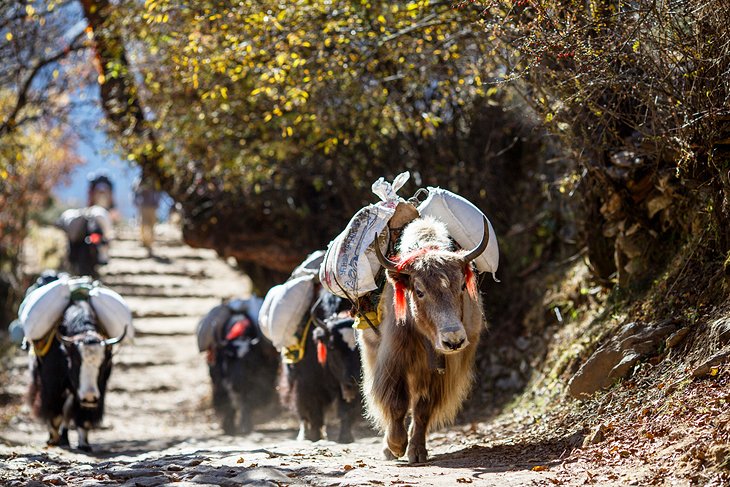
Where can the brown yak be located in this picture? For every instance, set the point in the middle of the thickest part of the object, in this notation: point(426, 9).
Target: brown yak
point(421, 362)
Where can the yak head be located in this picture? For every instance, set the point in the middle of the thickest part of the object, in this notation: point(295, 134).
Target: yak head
point(89, 355)
point(337, 351)
point(431, 282)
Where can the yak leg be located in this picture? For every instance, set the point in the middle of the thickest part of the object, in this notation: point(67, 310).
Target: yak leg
point(66, 420)
point(54, 438)
point(244, 421)
point(396, 436)
point(417, 452)
point(311, 421)
point(83, 432)
point(346, 412)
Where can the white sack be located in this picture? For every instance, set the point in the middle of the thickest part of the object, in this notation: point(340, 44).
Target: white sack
point(284, 308)
point(211, 324)
point(43, 307)
point(103, 219)
point(350, 263)
point(310, 266)
point(73, 222)
point(113, 313)
point(464, 222)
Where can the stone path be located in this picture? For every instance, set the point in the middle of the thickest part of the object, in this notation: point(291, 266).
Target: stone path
point(159, 428)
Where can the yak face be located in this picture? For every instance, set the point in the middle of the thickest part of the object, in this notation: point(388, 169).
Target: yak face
point(337, 351)
point(89, 357)
point(89, 354)
point(434, 293)
point(236, 349)
point(432, 281)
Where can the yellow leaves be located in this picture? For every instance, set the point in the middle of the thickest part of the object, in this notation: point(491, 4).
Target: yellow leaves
point(381, 19)
point(29, 10)
point(635, 46)
point(9, 36)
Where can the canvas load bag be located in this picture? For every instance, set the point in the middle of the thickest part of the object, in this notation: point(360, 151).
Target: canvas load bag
point(283, 309)
point(211, 324)
point(113, 313)
point(464, 223)
point(350, 263)
point(310, 266)
point(43, 307)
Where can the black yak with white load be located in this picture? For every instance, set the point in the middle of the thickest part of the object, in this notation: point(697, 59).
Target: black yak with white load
point(69, 380)
point(328, 372)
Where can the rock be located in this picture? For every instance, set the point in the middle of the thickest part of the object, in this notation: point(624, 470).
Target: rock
point(147, 481)
point(677, 337)
point(54, 479)
point(708, 364)
point(720, 331)
point(615, 359)
point(596, 435)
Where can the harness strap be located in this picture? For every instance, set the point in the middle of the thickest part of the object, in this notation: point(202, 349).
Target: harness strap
point(41, 347)
point(295, 353)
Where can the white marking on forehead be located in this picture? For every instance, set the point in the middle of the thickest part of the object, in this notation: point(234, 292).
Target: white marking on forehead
point(445, 283)
point(92, 356)
point(348, 336)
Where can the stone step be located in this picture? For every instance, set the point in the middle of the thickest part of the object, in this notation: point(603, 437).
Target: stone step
point(170, 308)
point(184, 325)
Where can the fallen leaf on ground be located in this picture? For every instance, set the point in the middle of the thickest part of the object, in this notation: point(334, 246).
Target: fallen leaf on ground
point(240, 460)
point(463, 480)
point(539, 468)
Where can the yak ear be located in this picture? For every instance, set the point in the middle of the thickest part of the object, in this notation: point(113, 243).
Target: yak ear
point(319, 335)
point(399, 278)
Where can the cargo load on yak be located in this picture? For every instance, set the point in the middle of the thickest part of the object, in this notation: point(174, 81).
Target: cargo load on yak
point(73, 222)
point(350, 264)
point(210, 327)
point(43, 307)
point(283, 309)
point(351, 268)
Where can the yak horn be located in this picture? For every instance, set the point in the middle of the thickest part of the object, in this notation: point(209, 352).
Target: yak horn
point(65, 339)
point(114, 341)
point(384, 261)
point(479, 249)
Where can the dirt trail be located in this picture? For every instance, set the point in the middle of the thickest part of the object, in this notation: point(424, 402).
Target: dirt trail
point(159, 428)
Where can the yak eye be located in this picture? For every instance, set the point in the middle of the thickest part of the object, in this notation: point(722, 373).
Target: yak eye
point(419, 293)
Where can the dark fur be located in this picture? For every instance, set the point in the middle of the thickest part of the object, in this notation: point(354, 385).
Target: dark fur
point(242, 384)
point(83, 256)
point(310, 388)
point(55, 376)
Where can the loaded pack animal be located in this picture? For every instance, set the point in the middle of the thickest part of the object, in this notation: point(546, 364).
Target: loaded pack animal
point(328, 372)
point(243, 366)
point(85, 251)
point(69, 381)
point(421, 362)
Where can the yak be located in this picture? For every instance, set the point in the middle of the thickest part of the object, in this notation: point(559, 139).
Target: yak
point(69, 381)
point(421, 363)
point(88, 252)
point(328, 373)
point(243, 365)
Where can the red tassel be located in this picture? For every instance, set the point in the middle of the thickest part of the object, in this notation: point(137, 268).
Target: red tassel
point(400, 302)
point(471, 281)
point(238, 329)
point(321, 353)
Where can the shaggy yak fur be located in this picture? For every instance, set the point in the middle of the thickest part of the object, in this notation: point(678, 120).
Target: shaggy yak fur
point(422, 364)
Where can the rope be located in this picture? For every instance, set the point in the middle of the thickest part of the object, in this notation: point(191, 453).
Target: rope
point(295, 353)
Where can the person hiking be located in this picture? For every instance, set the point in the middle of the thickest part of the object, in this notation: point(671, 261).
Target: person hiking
point(147, 199)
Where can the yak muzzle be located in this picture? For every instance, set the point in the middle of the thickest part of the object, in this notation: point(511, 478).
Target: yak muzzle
point(452, 339)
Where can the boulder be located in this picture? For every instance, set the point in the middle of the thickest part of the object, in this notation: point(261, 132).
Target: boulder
point(615, 359)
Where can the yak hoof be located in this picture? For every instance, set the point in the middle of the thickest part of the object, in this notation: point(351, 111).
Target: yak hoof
point(388, 455)
point(85, 448)
point(417, 454)
point(345, 437)
point(63, 440)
